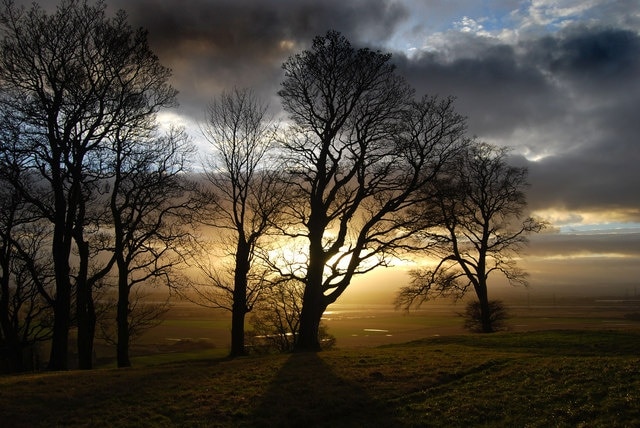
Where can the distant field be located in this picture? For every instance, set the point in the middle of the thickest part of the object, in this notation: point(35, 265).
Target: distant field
point(353, 325)
point(547, 378)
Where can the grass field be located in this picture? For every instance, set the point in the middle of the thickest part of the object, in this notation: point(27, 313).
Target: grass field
point(570, 378)
point(567, 364)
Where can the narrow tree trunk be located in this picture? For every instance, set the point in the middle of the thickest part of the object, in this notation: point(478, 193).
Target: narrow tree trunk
point(86, 328)
point(84, 307)
point(84, 339)
point(122, 319)
point(7, 331)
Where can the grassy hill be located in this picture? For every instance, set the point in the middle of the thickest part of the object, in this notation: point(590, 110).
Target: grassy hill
point(534, 379)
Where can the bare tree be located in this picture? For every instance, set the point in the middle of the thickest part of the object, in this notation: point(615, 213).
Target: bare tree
point(72, 80)
point(472, 222)
point(25, 295)
point(154, 208)
point(362, 147)
point(145, 312)
point(247, 198)
point(24, 278)
point(276, 319)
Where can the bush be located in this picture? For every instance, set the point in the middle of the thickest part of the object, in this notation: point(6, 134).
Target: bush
point(265, 339)
point(498, 315)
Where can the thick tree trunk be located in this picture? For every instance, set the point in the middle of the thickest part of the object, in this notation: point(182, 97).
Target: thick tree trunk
point(59, 356)
point(239, 309)
point(485, 309)
point(313, 306)
point(314, 302)
point(64, 214)
point(237, 330)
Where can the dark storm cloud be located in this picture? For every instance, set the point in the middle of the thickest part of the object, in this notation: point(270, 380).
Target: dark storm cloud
point(604, 58)
point(567, 97)
point(212, 45)
point(600, 71)
point(493, 88)
point(591, 180)
point(573, 95)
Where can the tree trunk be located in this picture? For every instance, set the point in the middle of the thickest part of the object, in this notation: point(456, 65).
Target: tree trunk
point(314, 302)
point(313, 306)
point(86, 328)
point(7, 332)
point(64, 213)
point(239, 309)
point(310, 316)
point(84, 307)
point(237, 329)
point(10, 336)
point(122, 318)
point(59, 356)
point(485, 309)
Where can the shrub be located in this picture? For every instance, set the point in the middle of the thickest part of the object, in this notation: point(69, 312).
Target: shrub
point(498, 315)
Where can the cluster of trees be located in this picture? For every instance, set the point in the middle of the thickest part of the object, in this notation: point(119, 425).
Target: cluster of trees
point(92, 191)
point(95, 196)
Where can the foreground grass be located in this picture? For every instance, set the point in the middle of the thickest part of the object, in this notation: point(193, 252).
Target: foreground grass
point(536, 379)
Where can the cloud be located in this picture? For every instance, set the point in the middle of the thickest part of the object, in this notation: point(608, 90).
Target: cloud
point(576, 245)
point(216, 45)
point(557, 80)
point(566, 99)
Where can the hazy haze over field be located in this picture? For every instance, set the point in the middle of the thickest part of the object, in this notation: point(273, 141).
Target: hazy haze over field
point(559, 81)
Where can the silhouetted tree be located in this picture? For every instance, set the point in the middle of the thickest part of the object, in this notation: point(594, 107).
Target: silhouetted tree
point(276, 319)
point(359, 150)
point(145, 312)
point(247, 198)
point(154, 208)
point(25, 295)
point(471, 220)
point(73, 79)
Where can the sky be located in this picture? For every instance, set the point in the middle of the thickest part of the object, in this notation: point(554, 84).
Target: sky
point(558, 81)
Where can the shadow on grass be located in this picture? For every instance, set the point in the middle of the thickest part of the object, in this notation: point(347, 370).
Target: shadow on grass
point(307, 393)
